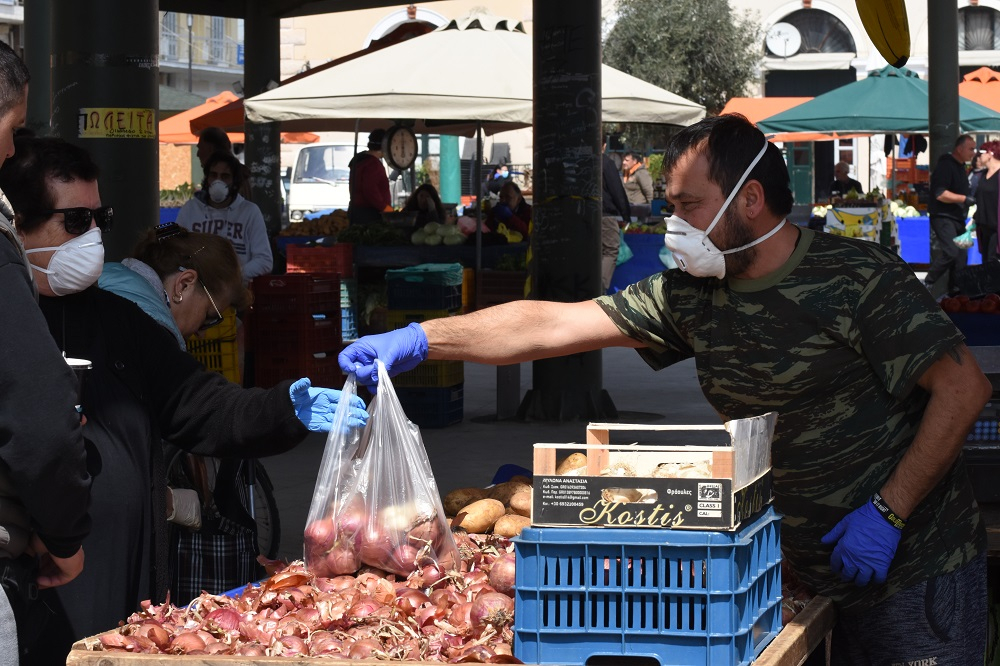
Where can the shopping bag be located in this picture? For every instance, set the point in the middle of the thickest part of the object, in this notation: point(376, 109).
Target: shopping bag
point(376, 502)
point(624, 251)
point(966, 240)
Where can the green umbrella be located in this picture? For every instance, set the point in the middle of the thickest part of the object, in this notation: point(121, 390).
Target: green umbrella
point(890, 100)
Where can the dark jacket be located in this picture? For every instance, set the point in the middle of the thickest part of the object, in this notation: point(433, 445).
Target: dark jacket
point(839, 189)
point(41, 442)
point(949, 174)
point(144, 388)
point(614, 202)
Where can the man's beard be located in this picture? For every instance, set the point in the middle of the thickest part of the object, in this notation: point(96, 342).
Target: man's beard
point(736, 233)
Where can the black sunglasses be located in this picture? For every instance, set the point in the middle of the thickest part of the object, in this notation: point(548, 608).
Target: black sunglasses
point(77, 220)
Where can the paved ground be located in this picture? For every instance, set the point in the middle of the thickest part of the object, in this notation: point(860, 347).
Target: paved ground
point(470, 452)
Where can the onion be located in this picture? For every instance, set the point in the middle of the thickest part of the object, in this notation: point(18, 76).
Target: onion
point(460, 614)
point(491, 608)
point(474, 591)
point(218, 647)
point(474, 577)
point(155, 632)
point(184, 643)
point(251, 650)
point(319, 536)
point(364, 649)
point(427, 614)
point(409, 600)
point(402, 559)
point(342, 559)
point(502, 574)
point(223, 620)
point(290, 646)
point(363, 608)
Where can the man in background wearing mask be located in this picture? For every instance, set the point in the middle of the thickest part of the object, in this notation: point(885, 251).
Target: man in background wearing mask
point(44, 481)
point(219, 209)
point(874, 388)
point(210, 141)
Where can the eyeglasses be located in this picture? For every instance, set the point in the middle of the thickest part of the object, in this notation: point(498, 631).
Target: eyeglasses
point(210, 321)
point(77, 220)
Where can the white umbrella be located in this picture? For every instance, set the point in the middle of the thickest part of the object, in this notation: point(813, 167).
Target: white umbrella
point(478, 68)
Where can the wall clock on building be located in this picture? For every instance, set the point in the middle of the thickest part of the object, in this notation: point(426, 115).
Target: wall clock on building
point(783, 40)
point(400, 147)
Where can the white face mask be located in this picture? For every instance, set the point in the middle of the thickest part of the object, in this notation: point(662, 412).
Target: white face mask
point(694, 251)
point(76, 264)
point(218, 191)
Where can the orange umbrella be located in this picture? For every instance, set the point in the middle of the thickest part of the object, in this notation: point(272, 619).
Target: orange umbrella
point(758, 108)
point(982, 86)
point(177, 129)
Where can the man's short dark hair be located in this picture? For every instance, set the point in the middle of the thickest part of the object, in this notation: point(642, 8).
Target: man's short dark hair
point(14, 76)
point(216, 138)
point(730, 143)
point(962, 138)
point(634, 155)
point(235, 167)
point(24, 176)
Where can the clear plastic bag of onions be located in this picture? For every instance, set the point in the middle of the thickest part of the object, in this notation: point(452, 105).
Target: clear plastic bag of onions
point(376, 503)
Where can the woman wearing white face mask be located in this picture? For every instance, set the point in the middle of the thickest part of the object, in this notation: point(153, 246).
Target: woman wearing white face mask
point(142, 388)
point(219, 209)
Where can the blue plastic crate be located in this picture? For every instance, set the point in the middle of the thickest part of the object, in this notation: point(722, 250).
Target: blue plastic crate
point(348, 292)
point(403, 295)
point(348, 326)
point(681, 597)
point(433, 407)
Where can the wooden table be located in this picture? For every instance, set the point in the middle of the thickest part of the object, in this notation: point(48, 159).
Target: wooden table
point(796, 641)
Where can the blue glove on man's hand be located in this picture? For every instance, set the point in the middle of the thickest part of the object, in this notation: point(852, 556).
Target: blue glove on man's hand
point(502, 212)
point(400, 350)
point(866, 543)
point(317, 407)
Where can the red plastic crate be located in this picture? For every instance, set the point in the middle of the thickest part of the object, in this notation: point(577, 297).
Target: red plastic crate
point(321, 331)
point(337, 258)
point(321, 369)
point(297, 293)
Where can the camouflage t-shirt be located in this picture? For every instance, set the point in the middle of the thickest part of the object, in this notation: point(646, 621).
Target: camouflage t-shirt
point(834, 341)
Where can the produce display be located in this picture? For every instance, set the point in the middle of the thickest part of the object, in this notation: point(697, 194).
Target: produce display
point(503, 509)
point(434, 233)
point(989, 304)
point(461, 616)
point(329, 224)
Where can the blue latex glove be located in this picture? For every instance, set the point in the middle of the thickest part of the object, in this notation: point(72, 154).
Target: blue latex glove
point(400, 350)
point(502, 212)
point(317, 407)
point(866, 544)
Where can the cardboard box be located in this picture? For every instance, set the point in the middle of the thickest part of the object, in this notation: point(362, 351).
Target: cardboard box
point(665, 487)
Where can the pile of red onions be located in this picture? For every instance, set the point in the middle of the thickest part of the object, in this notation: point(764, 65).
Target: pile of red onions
point(458, 616)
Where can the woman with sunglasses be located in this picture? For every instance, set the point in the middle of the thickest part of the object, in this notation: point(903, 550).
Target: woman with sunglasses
point(142, 389)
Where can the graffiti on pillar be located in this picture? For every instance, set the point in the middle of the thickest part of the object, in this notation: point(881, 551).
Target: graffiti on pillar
point(116, 123)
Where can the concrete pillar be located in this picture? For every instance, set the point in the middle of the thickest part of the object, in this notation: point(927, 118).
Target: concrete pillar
point(105, 98)
point(37, 45)
point(262, 66)
point(942, 77)
point(566, 240)
point(450, 170)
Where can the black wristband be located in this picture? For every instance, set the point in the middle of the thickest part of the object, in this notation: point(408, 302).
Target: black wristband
point(887, 513)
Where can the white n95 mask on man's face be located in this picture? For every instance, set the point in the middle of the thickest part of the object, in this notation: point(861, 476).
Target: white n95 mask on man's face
point(694, 251)
point(75, 265)
point(218, 191)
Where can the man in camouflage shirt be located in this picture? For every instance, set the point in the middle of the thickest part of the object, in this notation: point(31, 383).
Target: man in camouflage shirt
point(874, 388)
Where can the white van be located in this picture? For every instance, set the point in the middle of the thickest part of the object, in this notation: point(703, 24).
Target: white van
point(320, 179)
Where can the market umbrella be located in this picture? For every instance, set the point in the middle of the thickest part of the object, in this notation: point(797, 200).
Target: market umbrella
point(230, 117)
point(177, 128)
point(982, 87)
point(442, 82)
point(890, 100)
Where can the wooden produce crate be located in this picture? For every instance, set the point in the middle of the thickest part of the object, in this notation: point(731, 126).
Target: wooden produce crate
point(671, 487)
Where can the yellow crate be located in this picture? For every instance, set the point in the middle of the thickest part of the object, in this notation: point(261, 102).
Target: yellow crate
point(216, 348)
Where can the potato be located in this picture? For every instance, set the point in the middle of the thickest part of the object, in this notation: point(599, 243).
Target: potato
point(504, 491)
point(479, 516)
point(511, 525)
point(520, 478)
point(456, 499)
point(572, 462)
point(520, 503)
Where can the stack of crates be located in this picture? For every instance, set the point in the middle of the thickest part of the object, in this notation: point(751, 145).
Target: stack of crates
point(348, 309)
point(296, 328)
point(338, 258)
point(684, 591)
point(431, 394)
point(216, 348)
